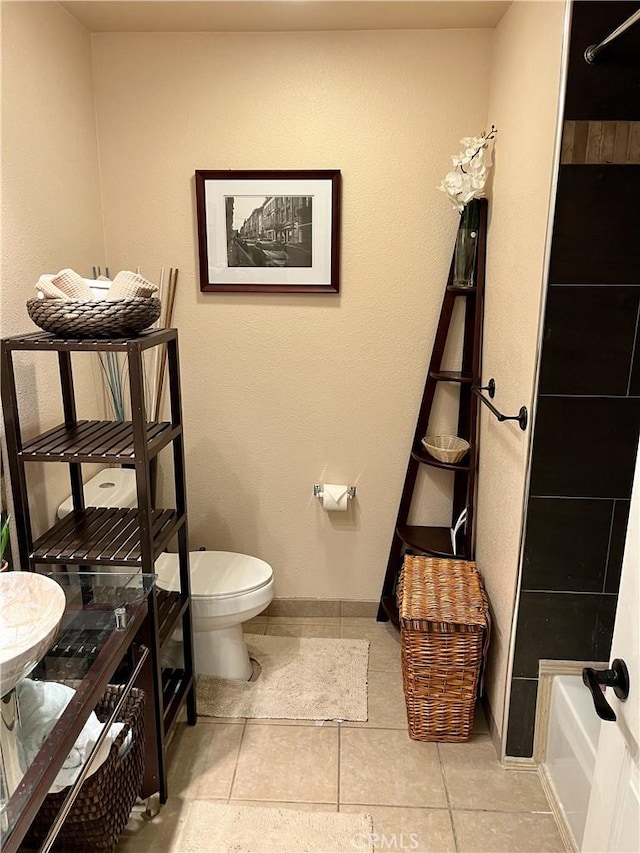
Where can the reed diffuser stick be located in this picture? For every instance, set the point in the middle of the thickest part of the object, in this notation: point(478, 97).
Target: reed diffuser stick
point(171, 296)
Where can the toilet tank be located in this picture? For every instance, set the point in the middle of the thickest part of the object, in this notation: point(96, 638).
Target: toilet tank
point(109, 487)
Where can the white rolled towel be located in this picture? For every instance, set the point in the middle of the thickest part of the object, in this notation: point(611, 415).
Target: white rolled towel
point(69, 282)
point(46, 289)
point(66, 285)
point(130, 285)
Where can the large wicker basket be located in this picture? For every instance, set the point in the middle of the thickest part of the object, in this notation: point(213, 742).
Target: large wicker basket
point(102, 808)
point(444, 620)
point(104, 318)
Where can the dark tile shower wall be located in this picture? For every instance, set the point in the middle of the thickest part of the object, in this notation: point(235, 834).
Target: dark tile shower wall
point(588, 407)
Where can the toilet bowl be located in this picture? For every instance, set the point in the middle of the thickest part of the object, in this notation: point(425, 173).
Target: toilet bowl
point(227, 589)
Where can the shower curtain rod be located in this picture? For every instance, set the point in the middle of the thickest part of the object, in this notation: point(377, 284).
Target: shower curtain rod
point(591, 53)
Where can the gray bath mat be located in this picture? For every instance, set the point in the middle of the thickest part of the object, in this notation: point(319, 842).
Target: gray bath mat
point(302, 678)
point(247, 829)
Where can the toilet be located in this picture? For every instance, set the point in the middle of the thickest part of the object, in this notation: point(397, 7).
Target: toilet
point(109, 487)
point(227, 588)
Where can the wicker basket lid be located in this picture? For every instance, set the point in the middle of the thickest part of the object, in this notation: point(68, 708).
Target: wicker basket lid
point(442, 595)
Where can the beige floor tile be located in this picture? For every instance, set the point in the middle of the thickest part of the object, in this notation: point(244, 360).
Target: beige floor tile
point(500, 832)
point(202, 761)
point(386, 702)
point(384, 652)
point(255, 627)
point(288, 763)
point(360, 609)
point(360, 621)
point(418, 830)
point(304, 620)
point(269, 721)
point(475, 779)
point(228, 721)
point(307, 629)
point(301, 807)
point(152, 836)
point(384, 767)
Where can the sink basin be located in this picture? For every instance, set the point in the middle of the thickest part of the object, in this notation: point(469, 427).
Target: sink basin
point(30, 615)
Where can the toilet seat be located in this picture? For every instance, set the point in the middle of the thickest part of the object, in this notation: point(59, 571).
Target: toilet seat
point(215, 574)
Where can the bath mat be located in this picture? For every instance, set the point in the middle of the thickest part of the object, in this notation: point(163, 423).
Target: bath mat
point(223, 828)
point(302, 678)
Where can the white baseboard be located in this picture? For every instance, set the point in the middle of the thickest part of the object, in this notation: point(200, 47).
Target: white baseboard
point(511, 762)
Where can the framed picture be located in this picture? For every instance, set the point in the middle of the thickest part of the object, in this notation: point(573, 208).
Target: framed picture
point(277, 232)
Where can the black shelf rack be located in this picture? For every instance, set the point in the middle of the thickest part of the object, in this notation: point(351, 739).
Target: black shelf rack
point(436, 541)
point(112, 536)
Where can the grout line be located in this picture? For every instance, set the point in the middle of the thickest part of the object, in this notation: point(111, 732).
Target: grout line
point(448, 798)
point(578, 497)
point(568, 592)
point(589, 284)
point(396, 806)
point(444, 808)
point(606, 561)
point(504, 811)
point(235, 769)
point(636, 343)
point(241, 800)
point(339, 759)
point(590, 396)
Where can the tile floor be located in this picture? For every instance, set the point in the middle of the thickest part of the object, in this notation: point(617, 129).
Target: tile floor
point(422, 796)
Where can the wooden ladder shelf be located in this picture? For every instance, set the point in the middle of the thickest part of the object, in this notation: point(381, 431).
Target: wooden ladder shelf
point(436, 541)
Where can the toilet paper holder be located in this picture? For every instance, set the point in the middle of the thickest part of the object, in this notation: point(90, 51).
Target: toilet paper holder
point(318, 492)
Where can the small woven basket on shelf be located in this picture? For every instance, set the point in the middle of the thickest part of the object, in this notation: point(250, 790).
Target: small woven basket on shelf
point(102, 807)
point(446, 448)
point(444, 622)
point(104, 318)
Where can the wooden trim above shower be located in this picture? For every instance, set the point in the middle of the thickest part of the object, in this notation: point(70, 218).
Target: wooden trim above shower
point(600, 142)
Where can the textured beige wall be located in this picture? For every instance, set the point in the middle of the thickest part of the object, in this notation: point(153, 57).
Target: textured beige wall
point(525, 82)
point(51, 215)
point(281, 391)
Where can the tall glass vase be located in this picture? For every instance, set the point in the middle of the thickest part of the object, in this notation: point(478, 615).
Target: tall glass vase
point(464, 266)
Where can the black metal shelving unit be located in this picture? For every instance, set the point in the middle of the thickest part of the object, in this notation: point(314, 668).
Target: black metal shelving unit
point(111, 536)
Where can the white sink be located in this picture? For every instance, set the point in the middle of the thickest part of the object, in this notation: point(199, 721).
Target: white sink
point(31, 608)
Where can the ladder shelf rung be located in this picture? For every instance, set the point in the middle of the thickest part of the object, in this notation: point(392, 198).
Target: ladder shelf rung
point(462, 290)
point(434, 541)
point(425, 458)
point(451, 376)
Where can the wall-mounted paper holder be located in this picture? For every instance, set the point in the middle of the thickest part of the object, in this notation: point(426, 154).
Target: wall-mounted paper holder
point(318, 493)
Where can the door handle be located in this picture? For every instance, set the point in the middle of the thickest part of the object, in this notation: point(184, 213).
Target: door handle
point(616, 677)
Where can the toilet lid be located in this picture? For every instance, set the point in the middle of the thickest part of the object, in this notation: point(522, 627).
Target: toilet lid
point(215, 574)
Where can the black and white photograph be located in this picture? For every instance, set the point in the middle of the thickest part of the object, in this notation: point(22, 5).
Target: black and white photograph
point(268, 231)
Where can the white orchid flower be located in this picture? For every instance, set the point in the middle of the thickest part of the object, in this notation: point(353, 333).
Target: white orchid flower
point(471, 170)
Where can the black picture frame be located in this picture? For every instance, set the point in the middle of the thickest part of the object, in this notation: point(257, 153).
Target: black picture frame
point(268, 231)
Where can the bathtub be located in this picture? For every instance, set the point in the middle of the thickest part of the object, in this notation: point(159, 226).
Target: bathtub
point(572, 741)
